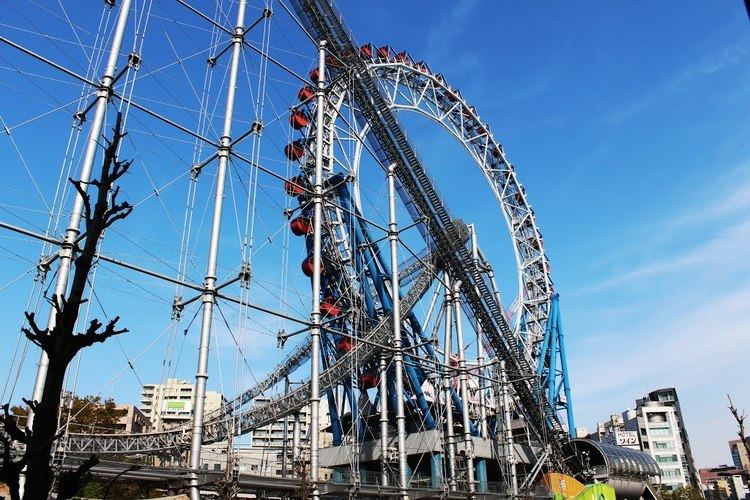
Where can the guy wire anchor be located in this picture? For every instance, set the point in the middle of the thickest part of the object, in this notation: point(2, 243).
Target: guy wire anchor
point(246, 273)
point(177, 307)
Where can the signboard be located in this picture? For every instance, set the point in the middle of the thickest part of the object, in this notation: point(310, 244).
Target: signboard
point(176, 406)
point(627, 438)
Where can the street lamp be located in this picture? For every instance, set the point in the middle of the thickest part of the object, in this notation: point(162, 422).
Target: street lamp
point(114, 479)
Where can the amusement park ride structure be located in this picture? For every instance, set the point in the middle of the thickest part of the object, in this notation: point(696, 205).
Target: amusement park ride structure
point(405, 398)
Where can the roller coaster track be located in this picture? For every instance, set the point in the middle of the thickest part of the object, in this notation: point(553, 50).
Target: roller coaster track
point(324, 23)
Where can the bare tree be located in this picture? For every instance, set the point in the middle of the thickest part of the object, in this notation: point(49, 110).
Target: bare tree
point(739, 416)
point(61, 343)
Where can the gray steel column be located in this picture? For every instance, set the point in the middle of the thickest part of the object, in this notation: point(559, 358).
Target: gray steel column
point(209, 292)
point(509, 449)
point(89, 156)
point(383, 398)
point(398, 357)
point(317, 262)
point(482, 406)
point(468, 443)
point(480, 347)
point(285, 445)
point(447, 385)
point(296, 441)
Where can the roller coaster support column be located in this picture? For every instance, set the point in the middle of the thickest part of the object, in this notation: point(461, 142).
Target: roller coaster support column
point(481, 391)
point(507, 434)
point(209, 290)
point(464, 383)
point(398, 357)
point(317, 266)
point(447, 393)
point(92, 146)
point(383, 399)
point(480, 347)
point(296, 442)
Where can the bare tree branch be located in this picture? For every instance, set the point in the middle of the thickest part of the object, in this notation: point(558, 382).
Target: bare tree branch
point(739, 417)
point(61, 342)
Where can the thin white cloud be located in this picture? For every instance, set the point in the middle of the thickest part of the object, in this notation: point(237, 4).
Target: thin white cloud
point(707, 66)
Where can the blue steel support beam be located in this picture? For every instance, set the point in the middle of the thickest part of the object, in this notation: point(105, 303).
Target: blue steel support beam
point(551, 378)
point(565, 375)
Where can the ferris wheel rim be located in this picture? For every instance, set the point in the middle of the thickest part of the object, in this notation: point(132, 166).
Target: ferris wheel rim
point(526, 302)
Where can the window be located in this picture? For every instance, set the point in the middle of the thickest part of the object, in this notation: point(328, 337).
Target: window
point(659, 431)
point(672, 473)
point(664, 445)
point(666, 458)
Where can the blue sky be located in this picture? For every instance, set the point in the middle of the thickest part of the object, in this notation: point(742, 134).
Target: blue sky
point(628, 126)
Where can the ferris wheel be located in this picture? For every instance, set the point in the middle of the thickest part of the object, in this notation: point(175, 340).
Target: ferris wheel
point(309, 236)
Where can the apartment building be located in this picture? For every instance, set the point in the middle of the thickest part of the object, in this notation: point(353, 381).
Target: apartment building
point(170, 404)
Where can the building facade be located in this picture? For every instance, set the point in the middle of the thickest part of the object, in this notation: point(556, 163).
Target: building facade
point(613, 431)
point(659, 436)
point(655, 426)
point(724, 482)
point(170, 404)
point(739, 455)
point(134, 421)
point(667, 397)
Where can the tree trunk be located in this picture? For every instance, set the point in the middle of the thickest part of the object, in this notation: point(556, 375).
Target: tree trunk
point(39, 469)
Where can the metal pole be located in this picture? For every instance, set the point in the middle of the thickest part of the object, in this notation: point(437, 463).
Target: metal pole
point(447, 386)
point(89, 156)
point(383, 397)
point(209, 291)
point(480, 347)
point(468, 443)
point(398, 357)
point(317, 262)
point(507, 431)
point(481, 392)
point(296, 440)
point(285, 445)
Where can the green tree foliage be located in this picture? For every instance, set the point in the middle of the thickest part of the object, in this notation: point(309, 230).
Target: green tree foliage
point(125, 490)
point(91, 411)
point(680, 493)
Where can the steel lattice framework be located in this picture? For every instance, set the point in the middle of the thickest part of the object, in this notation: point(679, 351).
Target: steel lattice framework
point(379, 335)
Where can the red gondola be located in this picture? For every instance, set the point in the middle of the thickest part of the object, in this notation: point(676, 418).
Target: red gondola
point(369, 380)
point(293, 186)
point(294, 150)
point(314, 75)
point(329, 308)
point(308, 267)
point(384, 52)
point(306, 93)
point(299, 119)
point(402, 57)
point(301, 226)
point(366, 51)
point(344, 345)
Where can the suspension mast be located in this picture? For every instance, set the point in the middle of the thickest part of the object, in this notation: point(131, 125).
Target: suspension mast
point(209, 292)
point(92, 145)
point(315, 326)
